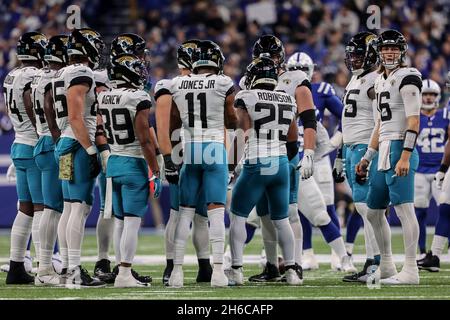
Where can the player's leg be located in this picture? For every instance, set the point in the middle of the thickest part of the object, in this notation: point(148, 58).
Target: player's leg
point(21, 228)
point(190, 182)
point(81, 195)
point(134, 196)
point(309, 261)
point(169, 235)
point(354, 222)
point(104, 232)
point(422, 196)
point(53, 207)
point(200, 239)
point(294, 218)
point(401, 193)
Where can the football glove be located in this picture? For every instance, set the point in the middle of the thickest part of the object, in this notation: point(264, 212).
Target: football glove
point(338, 170)
point(157, 186)
point(170, 170)
point(11, 173)
point(439, 176)
point(94, 165)
point(306, 165)
point(160, 160)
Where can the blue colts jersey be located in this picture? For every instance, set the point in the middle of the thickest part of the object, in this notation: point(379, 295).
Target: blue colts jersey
point(431, 140)
point(325, 97)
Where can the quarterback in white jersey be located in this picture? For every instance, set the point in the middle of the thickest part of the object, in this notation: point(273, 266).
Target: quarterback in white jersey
point(56, 57)
point(398, 94)
point(18, 99)
point(200, 232)
point(126, 110)
point(268, 120)
point(75, 106)
point(203, 107)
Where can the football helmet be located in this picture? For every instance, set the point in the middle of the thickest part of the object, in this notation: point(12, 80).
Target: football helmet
point(88, 43)
point(127, 68)
point(301, 61)
point(271, 45)
point(57, 49)
point(31, 46)
point(391, 38)
point(360, 54)
point(261, 70)
point(207, 54)
point(184, 53)
point(128, 43)
point(431, 86)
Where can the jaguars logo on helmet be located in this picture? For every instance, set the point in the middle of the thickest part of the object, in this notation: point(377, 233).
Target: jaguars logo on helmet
point(31, 46)
point(271, 45)
point(360, 54)
point(128, 68)
point(128, 43)
point(88, 43)
point(184, 53)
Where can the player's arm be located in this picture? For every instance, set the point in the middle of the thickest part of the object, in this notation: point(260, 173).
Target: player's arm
point(29, 105)
point(230, 115)
point(410, 92)
point(143, 135)
point(163, 117)
point(76, 97)
point(445, 163)
point(50, 114)
point(101, 141)
point(292, 140)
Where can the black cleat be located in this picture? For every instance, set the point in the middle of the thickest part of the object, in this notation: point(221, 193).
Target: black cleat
point(430, 263)
point(269, 274)
point(167, 271)
point(360, 276)
point(17, 274)
point(102, 271)
point(79, 277)
point(137, 276)
point(204, 271)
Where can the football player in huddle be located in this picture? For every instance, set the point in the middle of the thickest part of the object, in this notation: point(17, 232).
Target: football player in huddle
point(17, 88)
point(430, 143)
point(398, 95)
point(75, 106)
point(126, 110)
point(203, 106)
point(200, 235)
point(57, 58)
point(358, 121)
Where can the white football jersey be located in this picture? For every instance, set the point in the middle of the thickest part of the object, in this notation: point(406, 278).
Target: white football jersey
point(101, 78)
point(358, 112)
point(200, 99)
point(119, 108)
point(42, 82)
point(391, 110)
point(16, 82)
point(64, 78)
point(162, 87)
point(271, 114)
point(288, 81)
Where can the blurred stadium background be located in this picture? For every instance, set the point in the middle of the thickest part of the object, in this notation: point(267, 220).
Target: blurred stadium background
point(318, 27)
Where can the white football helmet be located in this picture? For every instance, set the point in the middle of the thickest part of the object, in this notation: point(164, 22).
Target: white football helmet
point(301, 61)
point(431, 86)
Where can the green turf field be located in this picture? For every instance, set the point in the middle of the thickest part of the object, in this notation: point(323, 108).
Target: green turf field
point(320, 284)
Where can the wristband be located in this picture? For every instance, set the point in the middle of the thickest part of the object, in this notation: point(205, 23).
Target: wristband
point(103, 147)
point(370, 154)
point(410, 140)
point(91, 150)
point(443, 168)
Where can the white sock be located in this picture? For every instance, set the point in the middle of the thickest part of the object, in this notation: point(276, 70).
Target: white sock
point(125, 271)
point(339, 247)
point(20, 233)
point(438, 244)
point(35, 233)
point(118, 230)
point(169, 235)
point(48, 229)
point(286, 240)
point(382, 233)
point(75, 232)
point(182, 233)
point(200, 236)
point(270, 240)
point(407, 216)
point(129, 240)
point(349, 247)
point(104, 231)
point(369, 235)
point(238, 234)
point(217, 233)
point(294, 220)
point(62, 236)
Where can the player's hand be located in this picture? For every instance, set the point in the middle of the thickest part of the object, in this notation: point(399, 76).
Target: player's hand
point(402, 167)
point(439, 179)
point(11, 173)
point(338, 170)
point(157, 186)
point(94, 164)
point(104, 156)
point(170, 170)
point(361, 171)
point(306, 165)
point(160, 161)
